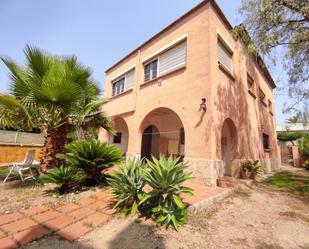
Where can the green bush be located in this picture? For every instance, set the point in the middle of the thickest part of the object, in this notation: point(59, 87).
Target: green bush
point(92, 157)
point(304, 146)
point(127, 184)
point(65, 177)
point(164, 203)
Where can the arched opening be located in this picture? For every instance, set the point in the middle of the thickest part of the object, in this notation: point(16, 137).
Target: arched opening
point(162, 132)
point(121, 136)
point(228, 145)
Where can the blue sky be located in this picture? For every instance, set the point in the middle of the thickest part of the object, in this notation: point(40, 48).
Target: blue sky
point(99, 32)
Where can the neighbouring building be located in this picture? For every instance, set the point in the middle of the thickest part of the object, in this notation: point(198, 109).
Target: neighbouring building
point(192, 91)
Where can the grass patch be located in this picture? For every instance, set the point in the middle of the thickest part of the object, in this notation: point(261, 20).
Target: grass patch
point(290, 181)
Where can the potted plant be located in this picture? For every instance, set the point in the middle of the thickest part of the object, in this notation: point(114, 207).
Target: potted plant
point(250, 169)
point(306, 164)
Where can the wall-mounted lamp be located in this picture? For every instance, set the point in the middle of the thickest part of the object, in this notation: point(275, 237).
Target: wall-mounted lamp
point(203, 105)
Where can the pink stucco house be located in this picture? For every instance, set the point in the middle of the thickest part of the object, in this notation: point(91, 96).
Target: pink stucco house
point(192, 91)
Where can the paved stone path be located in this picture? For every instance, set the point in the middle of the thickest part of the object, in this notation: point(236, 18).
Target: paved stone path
point(70, 221)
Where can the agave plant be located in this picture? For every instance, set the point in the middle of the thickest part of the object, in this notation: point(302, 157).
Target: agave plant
point(127, 184)
point(166, 177)
point(92, 157)
point(64, 176)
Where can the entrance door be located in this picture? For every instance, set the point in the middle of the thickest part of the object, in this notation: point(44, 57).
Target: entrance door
point(228, 145)
point(150, 142)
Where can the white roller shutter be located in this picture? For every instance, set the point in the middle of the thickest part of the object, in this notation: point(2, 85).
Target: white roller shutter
point(224, 56)
point(173, 58)
point(129, 79)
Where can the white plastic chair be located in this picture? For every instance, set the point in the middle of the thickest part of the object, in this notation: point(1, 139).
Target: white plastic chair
point(24, 166)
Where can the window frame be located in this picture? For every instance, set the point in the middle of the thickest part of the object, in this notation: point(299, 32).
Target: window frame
point(156, 57)
point(225, 46)
point(251, 86)
point(119, 78)
point(114, 93)
point(151, 77)
point(266, 143)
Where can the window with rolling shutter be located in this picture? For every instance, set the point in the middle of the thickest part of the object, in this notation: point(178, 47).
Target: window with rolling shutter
point(123, 83)
point(224, 56)
point(166, 62)
point(173, 58)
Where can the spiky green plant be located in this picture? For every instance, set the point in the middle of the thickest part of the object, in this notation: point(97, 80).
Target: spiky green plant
point(64, 176)
point(166, 177)
point(92, 157)
point(127, 183)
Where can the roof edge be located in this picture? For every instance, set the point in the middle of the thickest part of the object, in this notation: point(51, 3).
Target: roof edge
point(197, 7)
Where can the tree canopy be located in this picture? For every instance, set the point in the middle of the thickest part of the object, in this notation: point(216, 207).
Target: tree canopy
point(276, 26)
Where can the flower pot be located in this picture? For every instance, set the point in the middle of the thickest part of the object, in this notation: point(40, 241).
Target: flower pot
point(245, 174)
point(221, 182)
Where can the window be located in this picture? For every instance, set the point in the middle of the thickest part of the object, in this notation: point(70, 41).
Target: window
point(123, 83)
point(118, 87)
point(166, 62)
point(251, 85)
point(224, 55)
point(151, 70)
point(270, 106)
point(265, 141)
point(117, 138)
point(262, 96)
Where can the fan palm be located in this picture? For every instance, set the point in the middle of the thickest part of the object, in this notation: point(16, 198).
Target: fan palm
point(48, 90)
point(90, 116)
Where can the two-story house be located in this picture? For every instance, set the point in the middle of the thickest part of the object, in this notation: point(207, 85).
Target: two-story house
point(192, 91)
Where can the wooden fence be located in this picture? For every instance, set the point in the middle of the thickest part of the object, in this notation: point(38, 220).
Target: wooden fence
point(16, 152)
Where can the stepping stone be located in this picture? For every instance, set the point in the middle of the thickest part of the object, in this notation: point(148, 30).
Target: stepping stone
point(18, 225)
point(6, 218)
point(35, 210)
point(96, 219)
point(7, 243)
point(68, 207)
point(59, 222)
point(31, 234)
point(42, 217)
point(74, 231)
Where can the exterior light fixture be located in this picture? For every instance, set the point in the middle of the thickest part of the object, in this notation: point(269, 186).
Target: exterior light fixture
point(203, 105)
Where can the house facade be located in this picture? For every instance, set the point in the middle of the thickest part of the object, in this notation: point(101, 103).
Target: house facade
point(192, 91)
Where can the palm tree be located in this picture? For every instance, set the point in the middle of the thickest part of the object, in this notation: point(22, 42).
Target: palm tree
point(89, 117)
point(45, 93)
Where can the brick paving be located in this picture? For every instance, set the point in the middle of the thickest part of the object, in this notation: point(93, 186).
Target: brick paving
point(72, 220)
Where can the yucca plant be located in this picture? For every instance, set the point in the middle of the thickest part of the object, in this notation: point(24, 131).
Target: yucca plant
point(166, 177)
point(92, 157)
point(127, 183)
point(64, 176)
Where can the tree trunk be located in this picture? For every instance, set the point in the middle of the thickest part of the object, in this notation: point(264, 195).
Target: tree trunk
point(54, 143)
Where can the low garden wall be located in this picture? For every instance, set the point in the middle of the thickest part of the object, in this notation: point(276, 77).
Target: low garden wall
point(16, 152)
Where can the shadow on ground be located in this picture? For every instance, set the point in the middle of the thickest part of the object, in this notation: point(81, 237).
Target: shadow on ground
point(117, 234)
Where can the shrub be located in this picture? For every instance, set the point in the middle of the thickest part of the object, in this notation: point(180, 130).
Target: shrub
point(164, 203)
point(64, 176)
point(92, 157)
point(127, 184)
point(252, 166)
point(304, 145)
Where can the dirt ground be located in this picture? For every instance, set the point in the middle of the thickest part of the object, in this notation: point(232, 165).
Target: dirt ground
point(254, 217)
